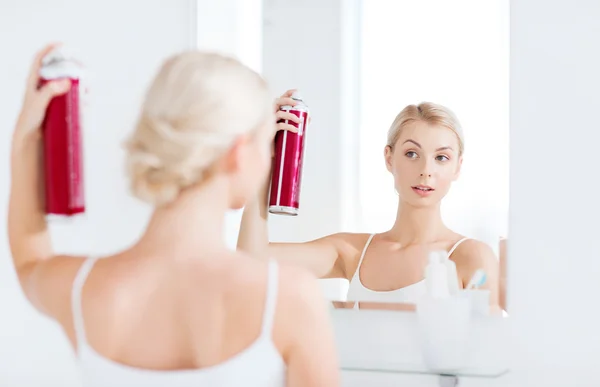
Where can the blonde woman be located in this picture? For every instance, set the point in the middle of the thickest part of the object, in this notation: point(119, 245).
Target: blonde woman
point(177, 308)
point(424, 154)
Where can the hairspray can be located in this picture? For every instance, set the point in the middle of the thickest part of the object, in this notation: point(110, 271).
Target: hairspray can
point(61, 136)
point(284, 198)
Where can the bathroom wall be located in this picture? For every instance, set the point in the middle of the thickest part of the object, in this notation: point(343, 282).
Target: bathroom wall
point(308, 56)
point(553, 258)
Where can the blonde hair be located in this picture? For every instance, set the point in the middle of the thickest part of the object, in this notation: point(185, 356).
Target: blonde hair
point(430, 113)
point(195, 108)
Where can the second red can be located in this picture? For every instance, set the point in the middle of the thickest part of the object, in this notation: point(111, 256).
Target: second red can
point(286, 178)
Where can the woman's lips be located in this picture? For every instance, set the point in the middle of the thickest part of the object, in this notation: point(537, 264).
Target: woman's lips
point(423, 190)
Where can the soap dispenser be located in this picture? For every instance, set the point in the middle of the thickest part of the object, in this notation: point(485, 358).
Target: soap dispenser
point(453, 286)
point(436, 276)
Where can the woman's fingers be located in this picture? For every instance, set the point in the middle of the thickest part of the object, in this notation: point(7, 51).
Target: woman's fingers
point(34, 71)
point(51, 90)
point(284, 101)
point(283, 115)
point(285, 120)
point(35, 105)
point(289, 93)
point(288, 127)
point(37, 98)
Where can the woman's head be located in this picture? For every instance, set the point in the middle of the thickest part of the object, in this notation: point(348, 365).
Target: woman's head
point(424, 152)
point(204, 116)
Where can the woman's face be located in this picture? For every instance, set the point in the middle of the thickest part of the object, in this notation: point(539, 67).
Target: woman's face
point(424, 162)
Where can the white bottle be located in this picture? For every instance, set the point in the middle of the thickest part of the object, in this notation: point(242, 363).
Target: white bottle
point(436, 276)
point(453, 287)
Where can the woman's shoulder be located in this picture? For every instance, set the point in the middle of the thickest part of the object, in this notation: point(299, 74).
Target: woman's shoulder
point(296, 290)
point(352, 235)
point(254, 272)
point(349, 242)
point(470, 252)
point(466, 246)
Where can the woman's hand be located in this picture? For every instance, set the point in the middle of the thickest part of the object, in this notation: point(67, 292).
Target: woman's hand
point(37, 98)
point(286, 100)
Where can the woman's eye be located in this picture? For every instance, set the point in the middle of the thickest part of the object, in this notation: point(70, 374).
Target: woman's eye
point(442, 158)
point(411, 154)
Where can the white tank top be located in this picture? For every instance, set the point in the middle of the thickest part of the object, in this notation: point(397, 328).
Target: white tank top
point(260, 364)
point(409, 294)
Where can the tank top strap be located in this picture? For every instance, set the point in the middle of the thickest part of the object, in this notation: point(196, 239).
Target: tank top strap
point(271, 297)
point(456, 245)
point(362, 255)
point(78, 283)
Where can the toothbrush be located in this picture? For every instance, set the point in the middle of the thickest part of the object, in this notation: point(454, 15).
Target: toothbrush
point(477, 280)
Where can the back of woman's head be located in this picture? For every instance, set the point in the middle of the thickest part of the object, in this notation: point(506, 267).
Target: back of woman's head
point(196, 107)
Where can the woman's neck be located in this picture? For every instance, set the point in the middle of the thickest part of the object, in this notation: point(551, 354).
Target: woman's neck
point(417, 225)
point(191, 225)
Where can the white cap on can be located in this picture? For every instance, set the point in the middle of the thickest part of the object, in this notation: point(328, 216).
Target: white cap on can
point(59, 63)
point(59, 53)
point(297, 96)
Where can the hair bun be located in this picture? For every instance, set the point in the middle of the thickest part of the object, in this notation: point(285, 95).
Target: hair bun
point(195, 108)
point(149, 180)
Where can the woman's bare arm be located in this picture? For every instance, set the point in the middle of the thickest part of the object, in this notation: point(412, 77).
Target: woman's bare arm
point(472, 255)
point(310, 353)
point(321, 256)
point(46, 279)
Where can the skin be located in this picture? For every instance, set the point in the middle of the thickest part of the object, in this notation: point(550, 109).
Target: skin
point(424, 154)
point(503, 269)
point(173, 300)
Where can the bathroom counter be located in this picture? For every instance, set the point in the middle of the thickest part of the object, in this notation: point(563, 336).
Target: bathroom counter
point(385, 379)
point(547, 376)
point(382, 348)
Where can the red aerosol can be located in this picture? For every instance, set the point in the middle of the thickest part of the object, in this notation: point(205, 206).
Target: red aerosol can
point(62, 142)
point(284, 198)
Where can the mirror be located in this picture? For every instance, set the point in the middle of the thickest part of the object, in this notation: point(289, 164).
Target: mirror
point(386, 180)
point(419, 163)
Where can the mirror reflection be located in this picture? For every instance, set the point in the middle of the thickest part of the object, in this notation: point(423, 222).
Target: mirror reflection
point(431, 178)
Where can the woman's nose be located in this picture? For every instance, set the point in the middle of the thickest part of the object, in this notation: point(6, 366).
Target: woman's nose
point(427, 168)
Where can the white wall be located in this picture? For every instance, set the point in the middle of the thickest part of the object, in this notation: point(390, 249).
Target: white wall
point(123, 44)
point(553, 257)
point(231, 27)
point(310, 45)
point(302, 49)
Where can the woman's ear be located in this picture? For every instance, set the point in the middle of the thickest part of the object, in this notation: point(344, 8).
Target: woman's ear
point(233, 160)
point(458, 168)
point(388, 154)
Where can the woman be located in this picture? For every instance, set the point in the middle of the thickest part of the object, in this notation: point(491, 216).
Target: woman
point(424, 154)
point(169, 310)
